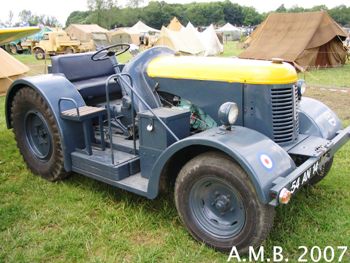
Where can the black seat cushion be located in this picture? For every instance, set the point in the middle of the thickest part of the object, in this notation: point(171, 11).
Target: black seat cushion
point(88, 76)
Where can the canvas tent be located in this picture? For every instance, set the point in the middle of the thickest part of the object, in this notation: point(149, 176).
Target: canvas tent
point(123, 35)
point(175, 25)
point(84, 33)
point(310, 39)
point(211, 42)
point(10, 70)
point(230, 32)
point(184, 41)
point(140, 28)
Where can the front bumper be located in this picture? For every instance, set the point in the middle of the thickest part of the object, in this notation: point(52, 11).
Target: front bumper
point(301, 175)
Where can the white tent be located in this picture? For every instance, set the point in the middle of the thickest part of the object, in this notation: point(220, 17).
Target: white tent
point(184, 41)
point(230, 32)
point(209, 40)
point(141, 27)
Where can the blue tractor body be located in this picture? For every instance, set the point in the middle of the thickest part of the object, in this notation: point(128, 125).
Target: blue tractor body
point(126, 125)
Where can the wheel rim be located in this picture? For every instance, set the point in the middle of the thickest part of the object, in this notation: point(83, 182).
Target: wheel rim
point(38, 135)
point(40, 55)
point(217, 207)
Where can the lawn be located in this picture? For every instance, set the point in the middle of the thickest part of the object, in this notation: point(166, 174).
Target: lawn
point(82, 220)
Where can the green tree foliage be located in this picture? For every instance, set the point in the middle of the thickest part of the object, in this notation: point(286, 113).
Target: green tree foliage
point(26, 17)
point(157, 13)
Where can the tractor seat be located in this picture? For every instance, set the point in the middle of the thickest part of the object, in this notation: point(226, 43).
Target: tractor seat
point(89, 77)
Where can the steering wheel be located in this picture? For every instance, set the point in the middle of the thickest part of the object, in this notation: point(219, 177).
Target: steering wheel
point(110, 51)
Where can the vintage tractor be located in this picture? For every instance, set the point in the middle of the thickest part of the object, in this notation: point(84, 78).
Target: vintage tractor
point(231, 138)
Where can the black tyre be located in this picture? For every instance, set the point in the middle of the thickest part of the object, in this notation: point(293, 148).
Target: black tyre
point(39, 54)
point(218, 204)
point(69, 50)
point(37, 135)
point(322, 174)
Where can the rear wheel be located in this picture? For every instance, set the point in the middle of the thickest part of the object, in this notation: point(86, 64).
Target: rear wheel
point(37, 135)
point(39, 54)
point(219, 205)
point(69, 50)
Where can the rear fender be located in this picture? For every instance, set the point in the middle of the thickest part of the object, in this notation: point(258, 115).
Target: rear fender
point(52, 87)
point(259, 156)
point(317, 119)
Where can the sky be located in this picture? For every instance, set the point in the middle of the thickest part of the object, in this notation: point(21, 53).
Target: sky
point(62, 9)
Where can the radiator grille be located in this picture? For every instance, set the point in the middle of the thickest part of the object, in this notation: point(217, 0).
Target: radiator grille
point(285, 118)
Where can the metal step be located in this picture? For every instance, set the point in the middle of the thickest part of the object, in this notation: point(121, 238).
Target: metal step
point(124, 174)
point(100, 164)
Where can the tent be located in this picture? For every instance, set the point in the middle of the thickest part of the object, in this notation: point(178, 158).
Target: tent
point(309, 39)
point(211, 42)
point(10, 70)
point(83, 33)
point(123, 35)
point(230, 32)
point(184, 41)
point(140, 28)
point(175, 25)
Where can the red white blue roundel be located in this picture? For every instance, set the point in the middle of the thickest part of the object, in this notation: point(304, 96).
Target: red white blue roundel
point(266, 161)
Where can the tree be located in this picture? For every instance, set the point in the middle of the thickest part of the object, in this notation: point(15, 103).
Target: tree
point(135, 3)
point(281, 9)
point(233, 13)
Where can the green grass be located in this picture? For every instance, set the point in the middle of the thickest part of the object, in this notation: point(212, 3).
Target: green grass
point(231, 49)
point(331, 77)
point(82, 220)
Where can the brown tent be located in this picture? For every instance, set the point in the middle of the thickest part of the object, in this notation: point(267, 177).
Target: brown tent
point(175, 25)
point(310, 39)
point(84, 33)
point(10, 70)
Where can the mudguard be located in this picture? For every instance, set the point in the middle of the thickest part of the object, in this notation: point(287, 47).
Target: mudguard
point(52, 87)
point(259, 156)
point(317, 119)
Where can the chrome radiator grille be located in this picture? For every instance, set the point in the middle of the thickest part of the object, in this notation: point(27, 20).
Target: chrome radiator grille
point(285, 117)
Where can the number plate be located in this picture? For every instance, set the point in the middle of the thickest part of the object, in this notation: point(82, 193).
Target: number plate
point(304, 177)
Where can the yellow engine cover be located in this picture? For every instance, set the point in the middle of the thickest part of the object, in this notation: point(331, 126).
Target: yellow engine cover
point(222, 69)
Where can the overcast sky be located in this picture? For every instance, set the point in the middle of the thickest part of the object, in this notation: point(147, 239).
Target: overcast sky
point(62, 9)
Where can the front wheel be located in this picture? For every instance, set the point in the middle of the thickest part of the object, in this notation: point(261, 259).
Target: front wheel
point(322, 174)
point(219, 205)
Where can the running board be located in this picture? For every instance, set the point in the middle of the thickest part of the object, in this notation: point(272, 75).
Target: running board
point(125, 175)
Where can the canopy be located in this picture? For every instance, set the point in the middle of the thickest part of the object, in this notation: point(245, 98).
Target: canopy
point(140, 28)
point(10, 69)
point(184, 41)
point(175, 25)
point(305, 39)
point(230, 32)
point(83, 33)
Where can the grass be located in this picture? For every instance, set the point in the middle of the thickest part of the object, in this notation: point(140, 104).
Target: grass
point(82, 220)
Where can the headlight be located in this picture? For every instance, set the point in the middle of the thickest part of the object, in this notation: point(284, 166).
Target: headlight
point(301, 84)
point(228, 113)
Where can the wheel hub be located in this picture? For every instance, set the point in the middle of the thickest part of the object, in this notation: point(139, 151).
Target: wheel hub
point(222, 203)
point(217, 207)
point(37, 134)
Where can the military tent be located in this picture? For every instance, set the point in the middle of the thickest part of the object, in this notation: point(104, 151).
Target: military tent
point(230, 32)
point(309, 39)
point(123, 35)
point(184, 41)
point(10, 70)
point(140, 28)
point(211, 42)
point(175, 25)
point(84, 33)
